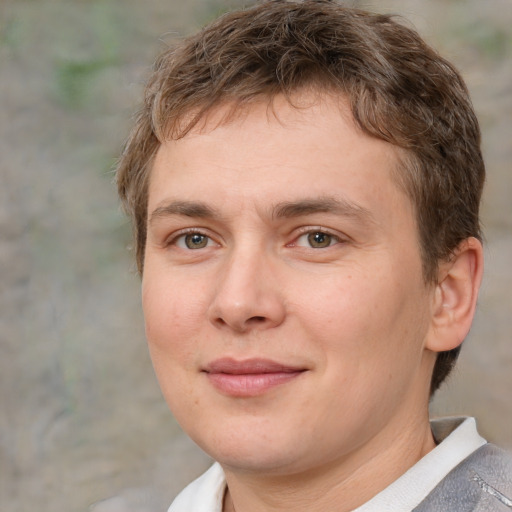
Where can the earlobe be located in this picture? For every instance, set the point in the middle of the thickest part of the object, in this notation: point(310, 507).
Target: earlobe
point(455, 296)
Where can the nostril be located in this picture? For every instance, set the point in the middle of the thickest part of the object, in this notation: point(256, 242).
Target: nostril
point(220, 321)
point(257, 319)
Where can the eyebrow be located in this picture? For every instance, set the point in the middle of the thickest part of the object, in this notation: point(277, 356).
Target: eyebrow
point(184, 208)
point(286, 209)
point(335, 205)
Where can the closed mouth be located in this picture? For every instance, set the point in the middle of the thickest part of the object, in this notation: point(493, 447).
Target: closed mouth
point(250, 377)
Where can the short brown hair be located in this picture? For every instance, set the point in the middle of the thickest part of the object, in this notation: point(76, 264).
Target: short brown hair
point(400, 90)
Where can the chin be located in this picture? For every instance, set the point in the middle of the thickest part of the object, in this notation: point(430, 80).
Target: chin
point(250, 448)
point(268, 461)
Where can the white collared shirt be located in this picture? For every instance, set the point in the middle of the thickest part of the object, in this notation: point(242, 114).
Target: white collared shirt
point(457, 437)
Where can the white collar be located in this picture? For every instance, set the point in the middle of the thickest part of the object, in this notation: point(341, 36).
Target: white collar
point(458, 439)
point(206, 494)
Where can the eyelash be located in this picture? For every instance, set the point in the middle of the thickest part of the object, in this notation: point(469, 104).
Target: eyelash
point(174, 239)
point(336, 238)
point(306, 231)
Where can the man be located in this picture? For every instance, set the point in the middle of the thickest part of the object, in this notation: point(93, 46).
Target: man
point(304, 181)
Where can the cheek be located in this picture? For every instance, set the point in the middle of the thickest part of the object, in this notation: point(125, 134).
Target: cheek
point(171, 321)
point(361, 316)
point(338, 303)
point(172, 313)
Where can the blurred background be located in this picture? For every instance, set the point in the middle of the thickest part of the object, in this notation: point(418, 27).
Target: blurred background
point(82, 423)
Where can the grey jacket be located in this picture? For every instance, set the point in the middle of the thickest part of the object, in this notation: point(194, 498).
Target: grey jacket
point(480, 483)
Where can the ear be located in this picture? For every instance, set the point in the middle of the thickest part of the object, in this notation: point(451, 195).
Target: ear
point(455, 296)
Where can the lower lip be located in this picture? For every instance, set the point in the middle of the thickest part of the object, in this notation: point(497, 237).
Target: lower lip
point(251, 384)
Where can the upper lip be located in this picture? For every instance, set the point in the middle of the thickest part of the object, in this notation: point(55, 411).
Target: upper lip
point(249, 366)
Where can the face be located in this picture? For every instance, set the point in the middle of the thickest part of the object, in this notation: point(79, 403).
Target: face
point(286, 312)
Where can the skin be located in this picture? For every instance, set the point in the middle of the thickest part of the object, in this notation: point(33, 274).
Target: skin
point(352, 316)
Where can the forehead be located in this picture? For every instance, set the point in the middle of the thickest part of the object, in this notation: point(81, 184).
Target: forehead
point(279, 148)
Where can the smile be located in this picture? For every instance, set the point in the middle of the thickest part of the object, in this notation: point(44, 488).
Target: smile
point(249, 378)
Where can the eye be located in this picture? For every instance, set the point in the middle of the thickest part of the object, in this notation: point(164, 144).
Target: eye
point(317, 240)
point(193, 240)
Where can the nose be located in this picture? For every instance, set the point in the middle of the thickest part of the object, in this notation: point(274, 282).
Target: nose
point(247, 295)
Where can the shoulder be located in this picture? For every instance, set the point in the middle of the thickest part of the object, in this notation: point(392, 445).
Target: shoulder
point(480, 483)
point(492, 464)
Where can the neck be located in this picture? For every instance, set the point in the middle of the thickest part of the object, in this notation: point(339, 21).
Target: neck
point(341, 485)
